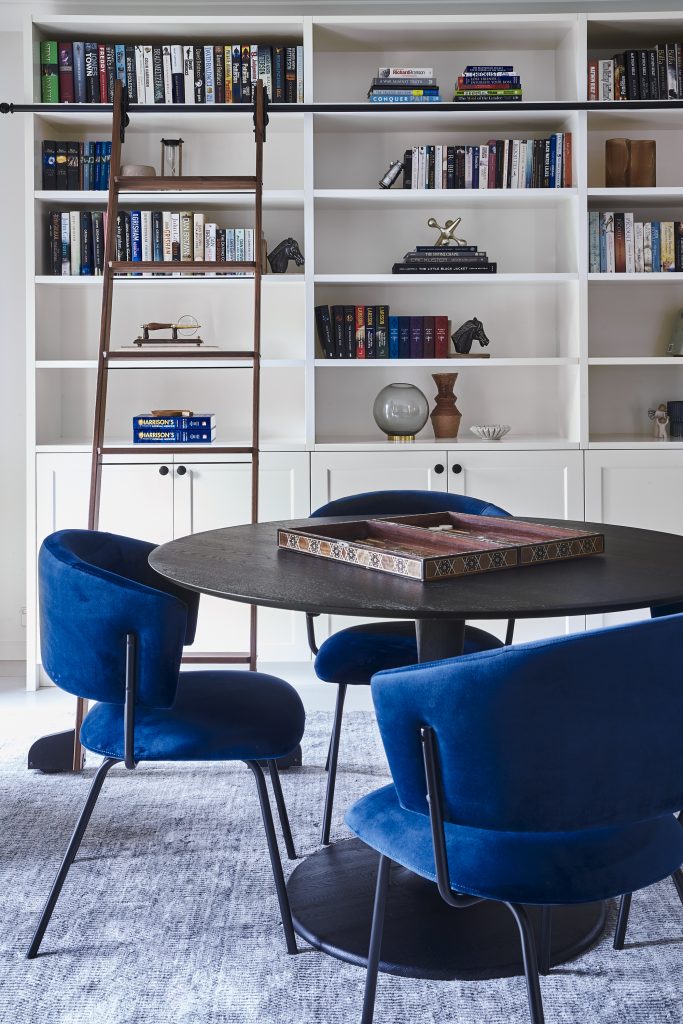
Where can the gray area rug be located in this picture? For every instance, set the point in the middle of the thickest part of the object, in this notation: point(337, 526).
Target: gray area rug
point(169, 914)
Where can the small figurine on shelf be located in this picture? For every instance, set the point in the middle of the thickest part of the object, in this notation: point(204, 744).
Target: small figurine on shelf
point(287, 250)
point(392, 174)
point(660, 418)
point(472, 330)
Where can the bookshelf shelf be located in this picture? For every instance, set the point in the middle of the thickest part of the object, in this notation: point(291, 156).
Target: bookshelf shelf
point(444, 280)
point(466, 197)
point(273, 199)
point(670, 278)
point(455, 365)
point(544, 313)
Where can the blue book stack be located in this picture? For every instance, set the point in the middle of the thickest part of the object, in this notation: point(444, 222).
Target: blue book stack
point(195, 428)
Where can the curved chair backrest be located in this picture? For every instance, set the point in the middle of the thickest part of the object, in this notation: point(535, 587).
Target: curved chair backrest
point(573, 733)
point(405, 503)
point(95, 588)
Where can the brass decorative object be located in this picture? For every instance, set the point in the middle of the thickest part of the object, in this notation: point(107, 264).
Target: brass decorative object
point(171, 155)
point(187, 325)
point(447, 232)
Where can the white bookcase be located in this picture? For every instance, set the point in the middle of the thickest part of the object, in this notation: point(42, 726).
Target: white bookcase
point(577, 359)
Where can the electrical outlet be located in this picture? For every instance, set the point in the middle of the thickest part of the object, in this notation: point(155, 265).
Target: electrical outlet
point(23, 618)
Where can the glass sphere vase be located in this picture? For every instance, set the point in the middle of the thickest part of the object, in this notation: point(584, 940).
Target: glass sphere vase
point(401, 411)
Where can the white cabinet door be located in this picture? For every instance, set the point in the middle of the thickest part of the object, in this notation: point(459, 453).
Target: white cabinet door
point(548, 484)
point(137, 500)
point(643, 489)
point(543, 483)
point(338, 474)
point(211, 495)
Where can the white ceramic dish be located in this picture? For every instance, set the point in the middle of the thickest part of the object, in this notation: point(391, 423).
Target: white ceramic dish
point(490, 431)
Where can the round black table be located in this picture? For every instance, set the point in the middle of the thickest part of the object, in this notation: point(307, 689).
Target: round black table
point(332, 891)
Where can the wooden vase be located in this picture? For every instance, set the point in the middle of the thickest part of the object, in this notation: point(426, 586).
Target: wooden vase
point(445, 417)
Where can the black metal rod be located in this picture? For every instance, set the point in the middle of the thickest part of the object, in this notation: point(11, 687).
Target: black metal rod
point(526, 935)
point(310, 631)
point(376, 939)
point(509, 632)
point(622, 921)
point(129, 705)
point(70, 855)
point(332, 757)
point(282, 810)
point(275, 862)
point(344, 108)
point(545, 940)
point(443, 879)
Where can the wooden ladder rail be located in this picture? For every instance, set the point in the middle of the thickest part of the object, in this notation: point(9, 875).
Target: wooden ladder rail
point(119, 123)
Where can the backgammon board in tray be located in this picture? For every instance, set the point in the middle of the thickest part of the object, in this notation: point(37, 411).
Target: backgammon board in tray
point(441, 545)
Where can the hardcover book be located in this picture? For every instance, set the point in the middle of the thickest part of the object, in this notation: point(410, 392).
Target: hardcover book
point(49, 72)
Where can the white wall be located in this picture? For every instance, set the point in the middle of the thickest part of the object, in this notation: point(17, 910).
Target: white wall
point(12, 356)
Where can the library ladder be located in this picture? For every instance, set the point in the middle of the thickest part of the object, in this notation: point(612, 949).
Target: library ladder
point(113, 268)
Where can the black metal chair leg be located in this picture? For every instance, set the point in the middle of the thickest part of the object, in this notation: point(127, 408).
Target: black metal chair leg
point(275, 862)
point(70, 854)
point(376, 939)
point(545, 940)
point(622, 921)
point(526, 935)
point(282, 810)
point(678, 882)
point(332, 764)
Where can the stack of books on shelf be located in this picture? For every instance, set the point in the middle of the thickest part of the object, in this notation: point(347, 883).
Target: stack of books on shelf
point(617, 243)
point(77, 72)
point(369, 332)
point(186, 428)
point(652, 74)
point(71, 166)
point(500, 163)
point(404, 85)
point(488, 82)
point(445, 259)
point(76, 240)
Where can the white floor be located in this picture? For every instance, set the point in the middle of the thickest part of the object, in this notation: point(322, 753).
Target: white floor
point(25, 715)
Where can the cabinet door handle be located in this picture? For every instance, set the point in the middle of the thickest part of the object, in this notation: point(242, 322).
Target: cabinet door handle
point(438, 468)
point(181, 470)
point(456, 468)
point(163, 470)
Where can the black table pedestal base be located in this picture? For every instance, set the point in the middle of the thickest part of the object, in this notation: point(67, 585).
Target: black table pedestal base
point(332, 893)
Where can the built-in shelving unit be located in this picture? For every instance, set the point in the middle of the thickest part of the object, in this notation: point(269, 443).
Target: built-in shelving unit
point(576, 358)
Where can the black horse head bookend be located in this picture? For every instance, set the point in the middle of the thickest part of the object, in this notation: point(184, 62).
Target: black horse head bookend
point(287, 250)
point(472, 330)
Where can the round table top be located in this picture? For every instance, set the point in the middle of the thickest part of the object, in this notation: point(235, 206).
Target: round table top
point(639, 568)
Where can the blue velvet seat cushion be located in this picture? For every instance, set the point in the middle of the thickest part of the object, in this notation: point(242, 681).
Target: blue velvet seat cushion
point(354, 654)
point(524, 867)
point(217, 716)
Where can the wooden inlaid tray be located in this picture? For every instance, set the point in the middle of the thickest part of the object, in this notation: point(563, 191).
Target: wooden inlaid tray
point(441, 545)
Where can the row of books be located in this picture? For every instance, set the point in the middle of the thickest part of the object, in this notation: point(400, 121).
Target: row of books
point(196, 428)
point(370, 332)
point(82, 72)
point(617, 243)
point(76, 240)
point(499, 163)
point(404, 85)
point(653, 74)
point(445, 259)
point(482, 82)
point(69, 166)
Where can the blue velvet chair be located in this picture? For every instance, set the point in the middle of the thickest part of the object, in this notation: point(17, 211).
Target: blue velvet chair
point(625, 902)
point(112, 630)
point(545, 773)
point(352, 655)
